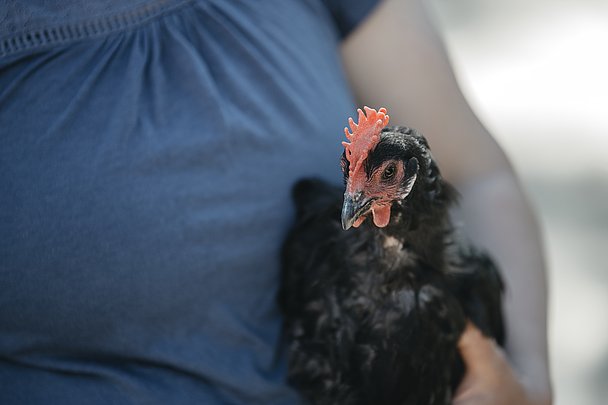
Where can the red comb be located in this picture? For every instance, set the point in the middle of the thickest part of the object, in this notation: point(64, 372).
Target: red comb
point(365, 136)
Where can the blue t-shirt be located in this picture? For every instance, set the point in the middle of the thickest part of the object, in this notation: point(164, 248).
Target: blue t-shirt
point(147, 151)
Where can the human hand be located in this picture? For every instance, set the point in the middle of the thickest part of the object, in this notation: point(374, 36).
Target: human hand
point(489, 379)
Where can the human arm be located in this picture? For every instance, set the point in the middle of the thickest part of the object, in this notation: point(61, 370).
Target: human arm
point(396, 59)
point(489, 379)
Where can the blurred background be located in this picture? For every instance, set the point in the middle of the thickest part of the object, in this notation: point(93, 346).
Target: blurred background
point(537, 75)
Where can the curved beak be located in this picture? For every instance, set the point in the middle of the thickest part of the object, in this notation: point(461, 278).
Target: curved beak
point(354, 206)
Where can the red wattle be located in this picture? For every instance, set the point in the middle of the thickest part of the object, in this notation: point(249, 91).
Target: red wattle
point(359, 221)
point(382, 215)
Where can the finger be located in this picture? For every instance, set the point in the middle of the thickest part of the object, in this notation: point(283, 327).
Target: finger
point(478, 352)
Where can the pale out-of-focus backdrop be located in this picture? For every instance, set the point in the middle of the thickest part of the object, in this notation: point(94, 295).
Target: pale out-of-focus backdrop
point(536, 72)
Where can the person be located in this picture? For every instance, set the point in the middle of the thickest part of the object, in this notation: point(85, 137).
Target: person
point(147, 152)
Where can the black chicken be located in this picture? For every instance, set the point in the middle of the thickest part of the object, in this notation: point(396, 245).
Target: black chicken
point(373, 315)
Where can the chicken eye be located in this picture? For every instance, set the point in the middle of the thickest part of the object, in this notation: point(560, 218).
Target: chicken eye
point(388, 173)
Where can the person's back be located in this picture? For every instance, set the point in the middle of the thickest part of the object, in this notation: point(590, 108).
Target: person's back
point(147, 151)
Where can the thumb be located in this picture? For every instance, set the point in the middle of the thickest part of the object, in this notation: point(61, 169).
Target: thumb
point(478, 352)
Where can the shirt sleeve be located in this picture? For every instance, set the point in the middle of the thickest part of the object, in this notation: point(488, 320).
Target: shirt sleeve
point(348, 14)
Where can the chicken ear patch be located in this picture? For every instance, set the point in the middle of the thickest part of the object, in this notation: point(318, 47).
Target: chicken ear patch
point(382, 215)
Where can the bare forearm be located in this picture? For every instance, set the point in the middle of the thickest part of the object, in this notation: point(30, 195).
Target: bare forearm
point(498, 216)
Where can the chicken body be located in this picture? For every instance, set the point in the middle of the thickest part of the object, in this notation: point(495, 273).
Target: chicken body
point(373, 315)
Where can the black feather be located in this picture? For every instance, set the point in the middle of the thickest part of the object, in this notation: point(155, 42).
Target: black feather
point(373, 316)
